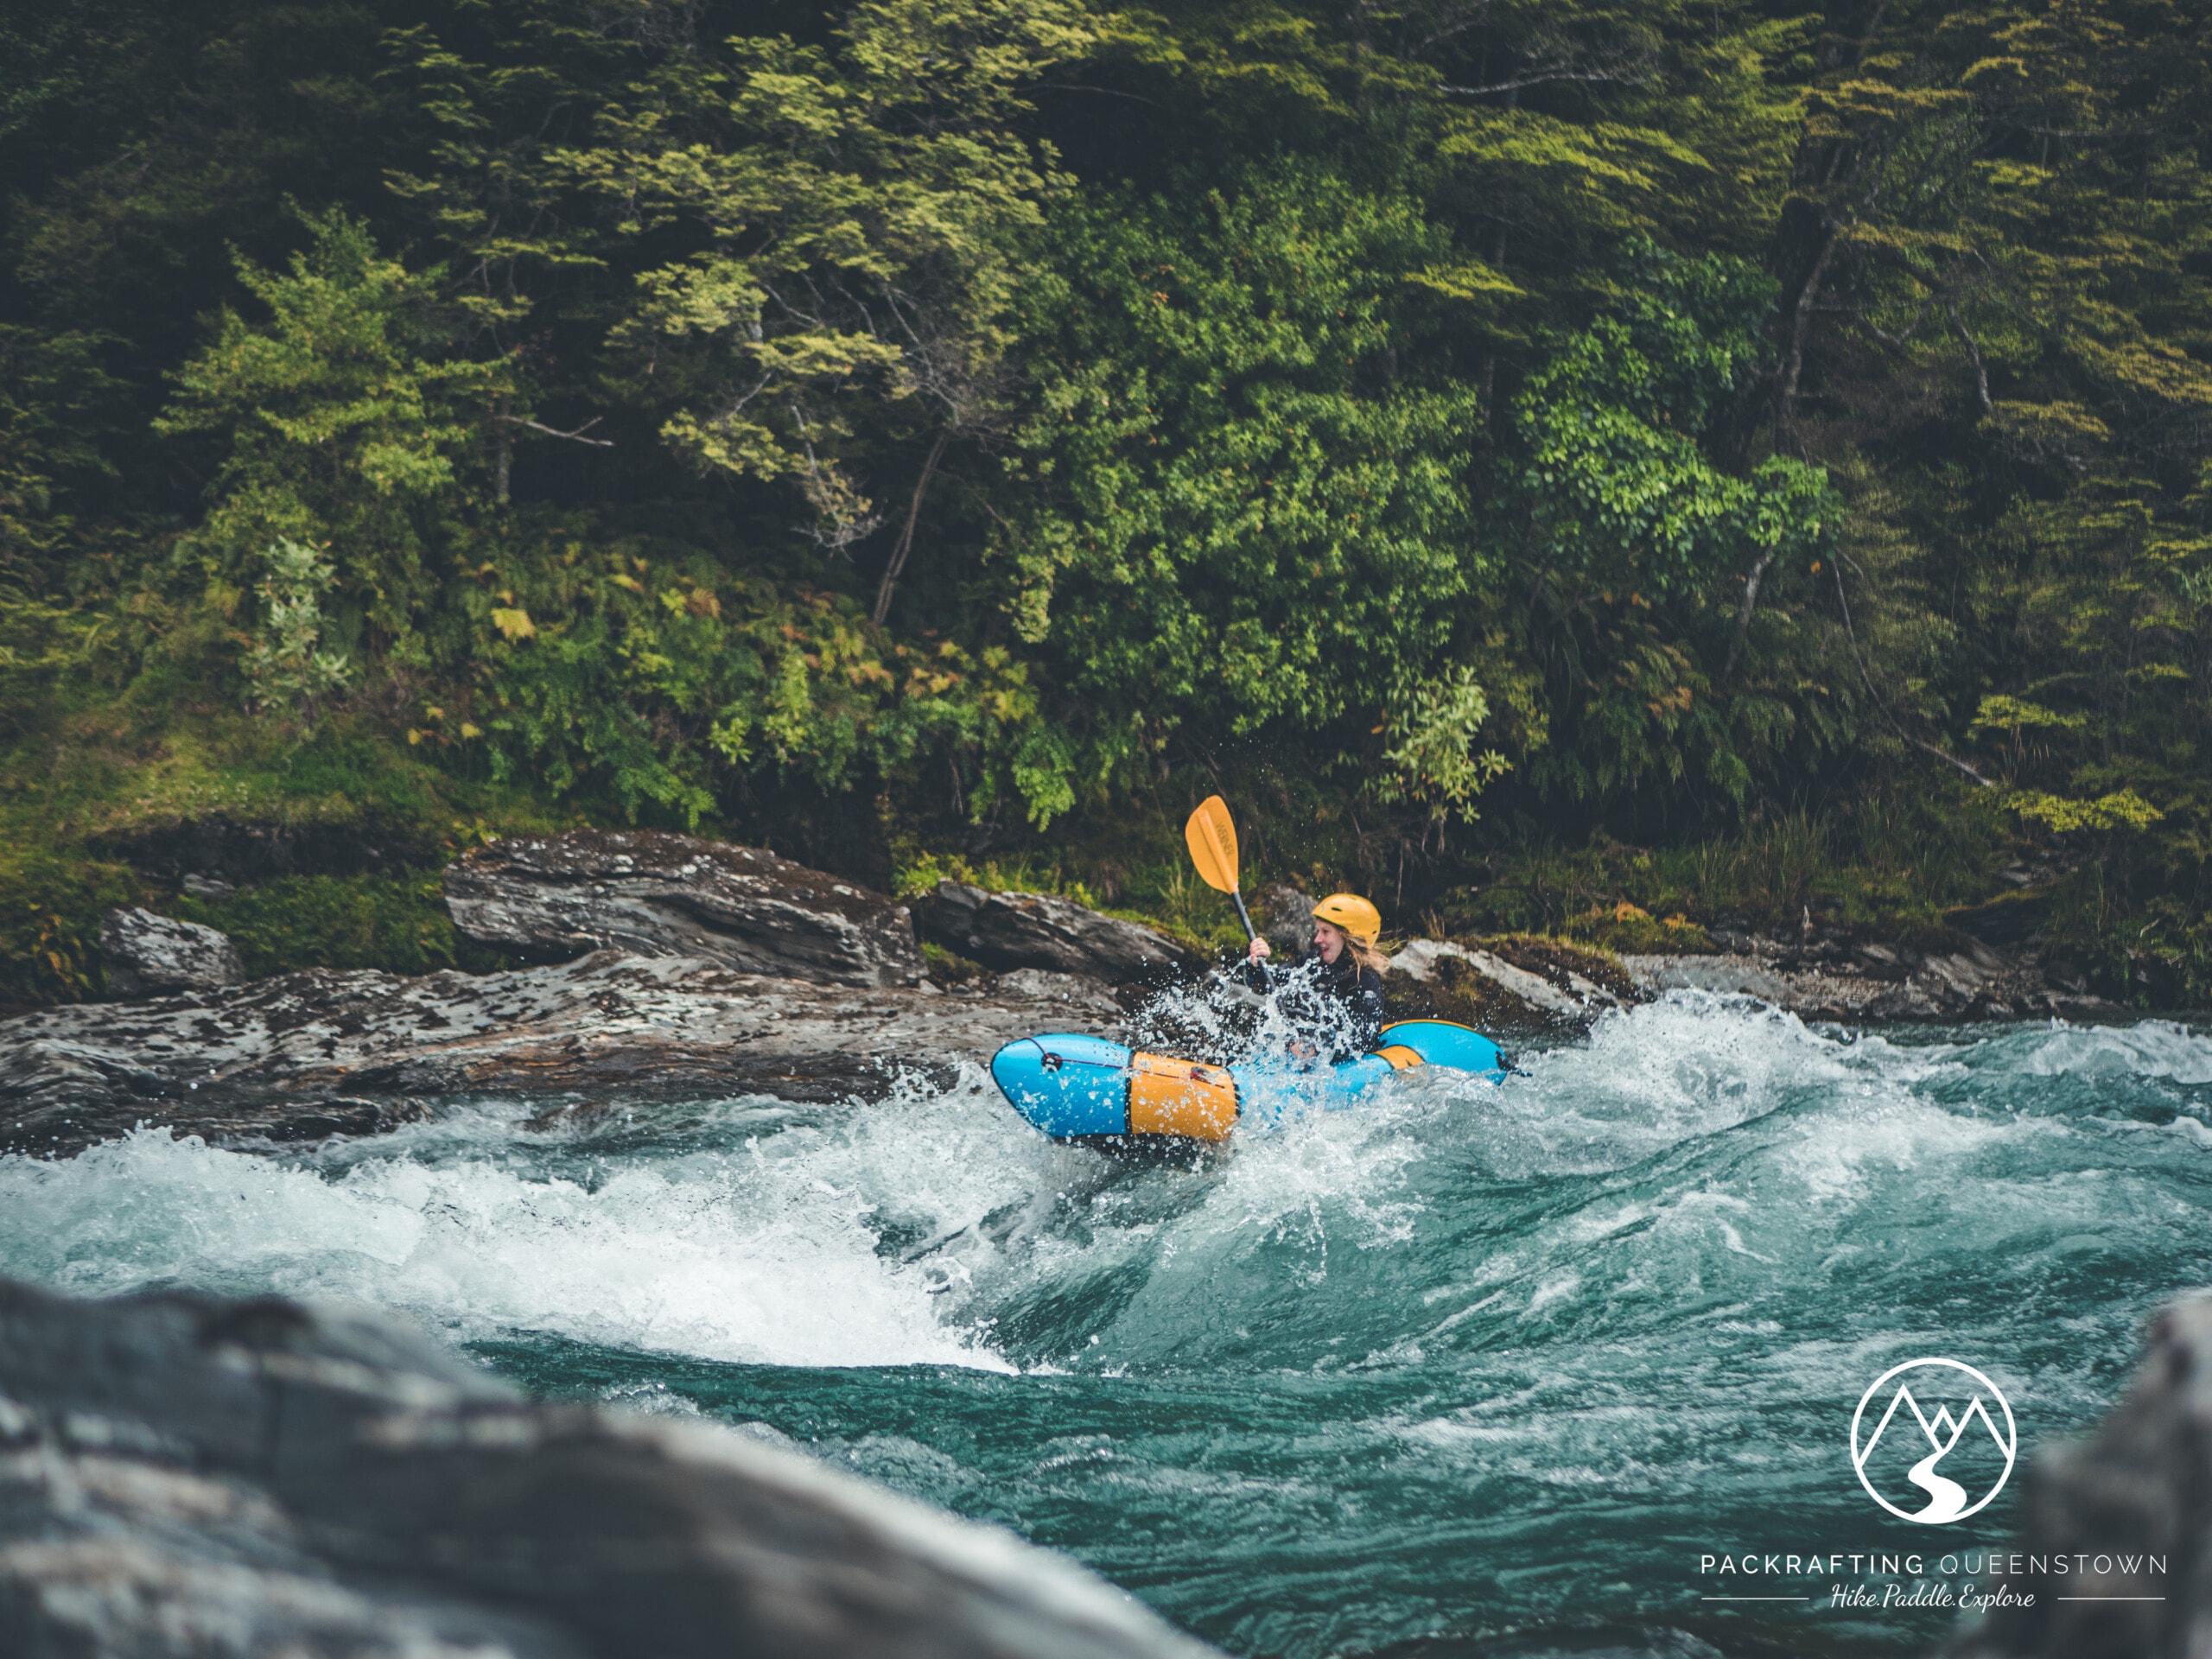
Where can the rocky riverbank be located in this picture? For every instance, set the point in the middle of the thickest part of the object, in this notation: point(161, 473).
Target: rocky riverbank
point(1874, 984)
point(181, 1473)
point(725, 970)
point(309, 1054)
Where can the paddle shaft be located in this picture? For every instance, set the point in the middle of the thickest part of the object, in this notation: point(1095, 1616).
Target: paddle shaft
point(1244, 915)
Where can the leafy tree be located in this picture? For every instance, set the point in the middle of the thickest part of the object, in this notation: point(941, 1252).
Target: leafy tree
point(1669, 414)
point(1245, 506)
point(347, 428)
point(637, 668)
point(852, 224)
point(1991, 249)
point(1628, 535)
point(287, 664)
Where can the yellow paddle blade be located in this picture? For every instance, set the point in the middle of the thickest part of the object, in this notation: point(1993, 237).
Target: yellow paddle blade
point(1211, 833)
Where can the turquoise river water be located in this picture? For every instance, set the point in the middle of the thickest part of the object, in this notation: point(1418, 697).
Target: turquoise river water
point(1472, 1368)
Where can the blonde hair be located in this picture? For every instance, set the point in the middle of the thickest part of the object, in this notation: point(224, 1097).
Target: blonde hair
point(1362, 954)
point(1367, 956)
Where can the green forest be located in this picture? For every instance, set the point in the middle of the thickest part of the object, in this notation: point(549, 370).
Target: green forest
point(1603, 469)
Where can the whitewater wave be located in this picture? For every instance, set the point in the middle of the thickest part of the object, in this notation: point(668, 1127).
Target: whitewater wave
point(1695, 1127)
point(731, 1254)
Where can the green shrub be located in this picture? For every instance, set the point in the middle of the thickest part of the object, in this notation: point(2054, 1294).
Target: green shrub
point(50, 910)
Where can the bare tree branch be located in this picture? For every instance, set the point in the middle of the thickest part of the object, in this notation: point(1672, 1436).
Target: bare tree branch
point(1974, 351)
point(1801, 313)
point(1896, 343)
point(1633, 73)
point(1743, 611)
point(576, 436)
point(1852, 634)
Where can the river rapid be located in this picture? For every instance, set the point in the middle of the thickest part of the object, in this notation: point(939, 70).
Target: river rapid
point(1501, 1365)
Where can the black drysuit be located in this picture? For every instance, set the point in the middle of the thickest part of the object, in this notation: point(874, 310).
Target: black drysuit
point(1337, 1006)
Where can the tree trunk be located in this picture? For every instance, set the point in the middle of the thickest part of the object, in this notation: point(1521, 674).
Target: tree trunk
point(906, 542)
point(1801, 316)
point(502, 453)
point(1743, 613)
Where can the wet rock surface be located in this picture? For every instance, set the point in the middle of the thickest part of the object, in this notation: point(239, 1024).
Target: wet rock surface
point(2135, 1488)
point(145, 954)
point(180, 1473)
point(1828, 976)
point(656, 894)
point(1524, 984)
point(1086, 1002)
point(1564, 995)
point(307, 1054)
point(1010, 930)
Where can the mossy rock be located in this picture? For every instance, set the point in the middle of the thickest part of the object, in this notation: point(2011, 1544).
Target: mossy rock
point(948, 967)
point(396, 923)
point(2010, 919)
point(1636, 933)
point(50, 910)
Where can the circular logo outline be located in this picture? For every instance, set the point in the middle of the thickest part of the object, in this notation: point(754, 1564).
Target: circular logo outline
point(2011, 1438)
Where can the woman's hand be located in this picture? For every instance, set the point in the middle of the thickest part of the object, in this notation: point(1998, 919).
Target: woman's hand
point(1258, 952)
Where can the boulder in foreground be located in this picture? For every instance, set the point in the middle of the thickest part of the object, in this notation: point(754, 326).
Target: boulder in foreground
point(147, 955)
point(656, 895)
point(1285, 915)
point(1009, 931)
point(180, 1473)
point(2134, 1489)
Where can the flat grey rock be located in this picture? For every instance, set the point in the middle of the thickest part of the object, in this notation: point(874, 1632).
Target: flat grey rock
point(307, 1054)
point(181, 1474)
point(656, 895)
point(146, 955)
point(1580, 1000)
point(1011, 931)
point(1723, 975)
point(1082, 997)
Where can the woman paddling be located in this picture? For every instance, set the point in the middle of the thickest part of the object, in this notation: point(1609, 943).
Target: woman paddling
point(1347, 983)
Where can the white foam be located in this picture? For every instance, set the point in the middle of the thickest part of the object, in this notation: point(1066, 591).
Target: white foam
point(734, 1256)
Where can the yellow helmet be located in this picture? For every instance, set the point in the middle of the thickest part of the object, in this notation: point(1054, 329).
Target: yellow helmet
point(1353, 916)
